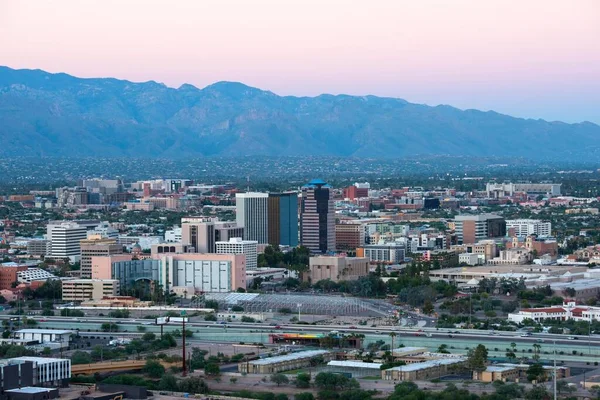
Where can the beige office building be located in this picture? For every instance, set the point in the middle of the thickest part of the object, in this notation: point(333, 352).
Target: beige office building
point(96, 246)
point(89, 289)
point(202, 233)
point(337, 268)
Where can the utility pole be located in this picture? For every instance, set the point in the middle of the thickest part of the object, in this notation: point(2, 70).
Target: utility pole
point(184, 372)
point(554, 370)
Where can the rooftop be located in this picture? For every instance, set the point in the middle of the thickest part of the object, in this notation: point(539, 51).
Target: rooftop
point(354, 364)
point(495, 368)
point(30, 390)
point(45, 331)
point(413, 350)
point(39, 360)
point(427, 364)
point(290, 357)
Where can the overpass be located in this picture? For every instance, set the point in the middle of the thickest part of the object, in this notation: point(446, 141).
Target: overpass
point(114, 366)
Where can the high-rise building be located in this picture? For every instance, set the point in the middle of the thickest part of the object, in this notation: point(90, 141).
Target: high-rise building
point(252, 214)
point(317, 217)
point(239, 246)
point(202, 233)
point(349, 236)
point(105, 230)
point(473, 228)
point(283, 219)
point(96, 247)
point(65, 240)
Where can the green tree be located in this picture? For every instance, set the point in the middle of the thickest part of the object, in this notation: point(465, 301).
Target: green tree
point(109, 327)
point(210, 317)
point(279, 379)
point(304, 396)
point(211, 304)
point(212, 369)
point(303, 380)
point(168, 382)
point(443, 348)
point(535, 372)
point(149, 337)
point(538, 392)
point(154, 369)
point(428, 307)
point(477, 358)
point(81, 357)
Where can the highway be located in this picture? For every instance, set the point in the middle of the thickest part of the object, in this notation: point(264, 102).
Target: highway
point(457, 340)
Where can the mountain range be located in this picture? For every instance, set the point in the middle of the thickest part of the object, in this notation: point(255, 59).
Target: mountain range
point(45, 114)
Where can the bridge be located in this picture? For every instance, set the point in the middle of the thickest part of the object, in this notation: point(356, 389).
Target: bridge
point(113, 366)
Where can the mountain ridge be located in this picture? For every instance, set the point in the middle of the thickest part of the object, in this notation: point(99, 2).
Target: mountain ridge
point(58, 114)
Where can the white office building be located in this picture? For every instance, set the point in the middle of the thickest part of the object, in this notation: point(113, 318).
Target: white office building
point(173, 235)
point(526, 227)
point(239, 246)
point(47, 370)
point(65, 240)
point(104, 230)
point(252, 214)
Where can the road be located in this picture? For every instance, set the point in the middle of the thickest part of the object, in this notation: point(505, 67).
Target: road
point(457, 340)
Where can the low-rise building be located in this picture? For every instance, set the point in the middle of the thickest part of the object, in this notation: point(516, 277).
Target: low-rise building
point(33, 275)
point(37, 247)
point(283, 363)
point(569, 310)
point(89, 289)
point(47, 371)
point(507, 372)
point(63, 337)
point(337, 268)
point(390, 253)
point(432, 369)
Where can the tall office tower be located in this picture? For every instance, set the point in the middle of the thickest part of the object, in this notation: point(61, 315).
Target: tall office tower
point(249, 248)
point(202, 232)
point(472, 228)
point(283, 219)
point(317, 217)
point(252, 214)
point(65, 240)
point(96, 246)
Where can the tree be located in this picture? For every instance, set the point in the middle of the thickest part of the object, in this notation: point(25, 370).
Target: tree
point(536, 351)
point(304, 396)
point(81, 357)
point(109, 327)
point(212, 369)
point(393, 335)
point(149, 337)
point(564, 387)
point(279, 379)
point(428, 307)
point(443, 348)
point(193, 384)
point(47, 312)
point(535, 372)
point(477, 358)
point(211, 304)
point(537, 393)
point(210, 317)
point(168, 382)
point(154, 369)
point(303, 380)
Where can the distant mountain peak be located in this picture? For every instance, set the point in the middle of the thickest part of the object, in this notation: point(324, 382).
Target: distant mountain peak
point(62, 115)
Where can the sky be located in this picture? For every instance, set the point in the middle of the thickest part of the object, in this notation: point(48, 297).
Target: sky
point(527, 58)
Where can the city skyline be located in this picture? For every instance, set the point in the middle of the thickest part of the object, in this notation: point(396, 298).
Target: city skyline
point(533, 59)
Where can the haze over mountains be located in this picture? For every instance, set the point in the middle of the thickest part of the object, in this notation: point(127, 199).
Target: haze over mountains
point(44, 114)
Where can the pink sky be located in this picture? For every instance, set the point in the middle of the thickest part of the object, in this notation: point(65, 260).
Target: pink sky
point(529, 58)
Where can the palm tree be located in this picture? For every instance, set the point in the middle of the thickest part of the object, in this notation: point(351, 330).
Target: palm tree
point(393, 335)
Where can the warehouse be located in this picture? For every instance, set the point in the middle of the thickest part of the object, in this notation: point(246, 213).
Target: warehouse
point(356, 369)
point(422, 371)
point(286, 362)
